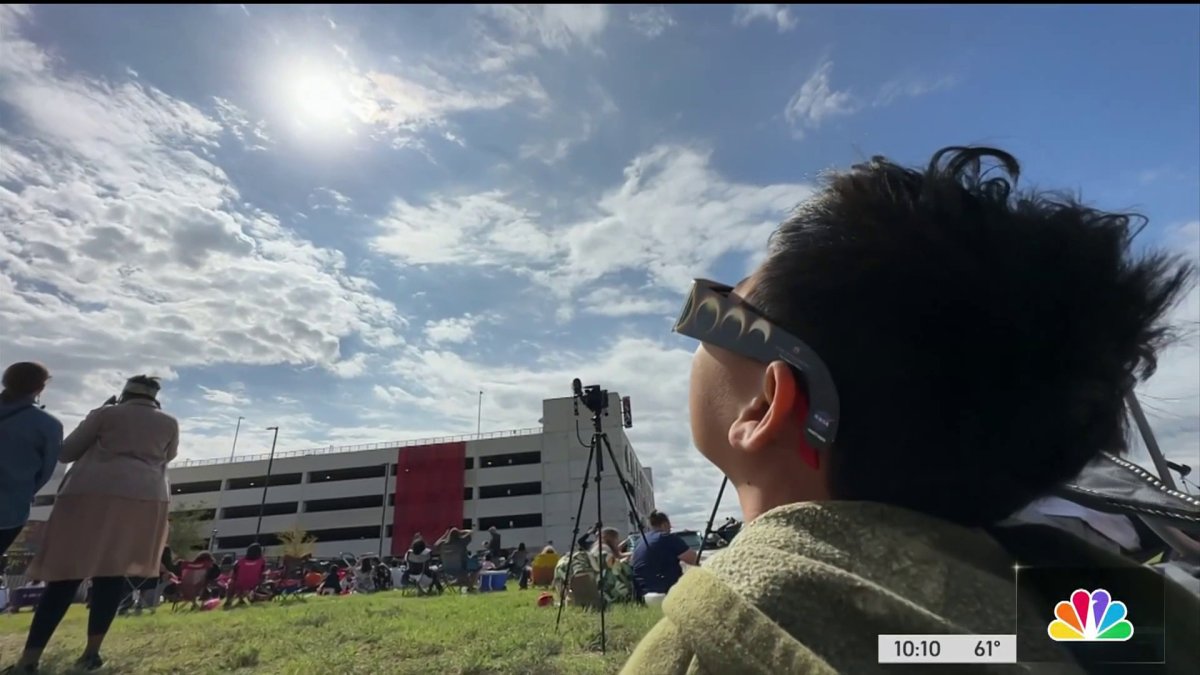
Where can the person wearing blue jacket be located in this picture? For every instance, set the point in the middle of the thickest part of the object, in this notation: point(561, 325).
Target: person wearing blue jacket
point(30, 440)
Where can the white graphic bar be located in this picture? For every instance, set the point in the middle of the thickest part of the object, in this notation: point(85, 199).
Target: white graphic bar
point(947, 648)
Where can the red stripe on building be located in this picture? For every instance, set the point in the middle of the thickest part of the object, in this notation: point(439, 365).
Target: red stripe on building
point(429, 492)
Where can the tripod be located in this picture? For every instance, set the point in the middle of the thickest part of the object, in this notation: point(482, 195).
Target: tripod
point(597, 401)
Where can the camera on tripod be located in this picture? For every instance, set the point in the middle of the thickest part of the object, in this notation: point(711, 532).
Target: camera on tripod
point(595, 399)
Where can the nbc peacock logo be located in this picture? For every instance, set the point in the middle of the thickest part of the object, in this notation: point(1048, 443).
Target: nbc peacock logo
point(1090, 617)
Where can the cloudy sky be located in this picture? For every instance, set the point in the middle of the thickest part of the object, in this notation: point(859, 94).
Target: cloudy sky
point(348, 220)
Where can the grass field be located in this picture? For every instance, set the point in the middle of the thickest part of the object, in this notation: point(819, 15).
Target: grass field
point(384, 633)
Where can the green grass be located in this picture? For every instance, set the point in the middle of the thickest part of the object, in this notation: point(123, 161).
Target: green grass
point(382, 633)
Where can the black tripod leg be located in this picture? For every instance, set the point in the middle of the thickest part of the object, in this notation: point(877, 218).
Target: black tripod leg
point(562, 594)
point(712, 516)
point(596, 439)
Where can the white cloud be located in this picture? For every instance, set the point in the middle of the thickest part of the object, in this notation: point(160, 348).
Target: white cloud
point(17, 53)
point(651, 20)
point(355, 366)
point(817, 101)
point(399, 395)
point(222, 397)
point(780, 15)
point(328, 199)
point(621, 302)
point(479, 229)
point(125, 246)
point(551, 149)
point(554, 151)
point(252, 135)
point(457, 329)
point(421, 97)
point(912, 87)
point(672, 217)
point(556, 27)
point(495, 56)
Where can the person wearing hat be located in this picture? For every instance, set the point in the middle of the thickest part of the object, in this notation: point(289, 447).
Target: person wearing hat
point(110, 517)
point(31, 438)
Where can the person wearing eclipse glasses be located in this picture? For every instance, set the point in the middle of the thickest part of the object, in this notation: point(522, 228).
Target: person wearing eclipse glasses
point(922, 353)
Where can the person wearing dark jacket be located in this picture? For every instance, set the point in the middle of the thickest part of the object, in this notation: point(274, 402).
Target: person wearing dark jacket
point(31, 439)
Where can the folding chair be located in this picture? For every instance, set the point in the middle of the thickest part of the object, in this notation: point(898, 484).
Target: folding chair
point(418, 578)
point(193, 582)
point(290, 584)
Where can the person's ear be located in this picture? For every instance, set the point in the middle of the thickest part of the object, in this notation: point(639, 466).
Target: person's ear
point(765, 419)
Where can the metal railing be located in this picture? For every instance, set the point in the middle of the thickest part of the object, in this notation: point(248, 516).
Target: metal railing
point(331, 450)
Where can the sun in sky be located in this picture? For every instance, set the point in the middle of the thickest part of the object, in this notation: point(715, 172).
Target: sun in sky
point(316, 97)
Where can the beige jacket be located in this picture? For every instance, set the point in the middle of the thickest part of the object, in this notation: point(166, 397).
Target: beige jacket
point(121, 450)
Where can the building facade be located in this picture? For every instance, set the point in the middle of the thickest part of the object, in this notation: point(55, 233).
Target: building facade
point(359, 499)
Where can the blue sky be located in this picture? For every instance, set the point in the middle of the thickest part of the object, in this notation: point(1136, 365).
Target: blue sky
point(348, 220)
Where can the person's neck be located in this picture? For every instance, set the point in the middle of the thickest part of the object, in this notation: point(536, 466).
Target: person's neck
point(757, 496)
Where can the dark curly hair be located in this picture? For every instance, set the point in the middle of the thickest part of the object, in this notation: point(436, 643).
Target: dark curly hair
point(982, 340)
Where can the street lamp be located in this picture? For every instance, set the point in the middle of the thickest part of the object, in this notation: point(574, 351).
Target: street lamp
point(235, 435)
point(262, 505)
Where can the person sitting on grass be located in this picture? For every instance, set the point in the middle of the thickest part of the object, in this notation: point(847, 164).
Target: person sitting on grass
point(245, 578)
point(584, 566)
point(922, 353)
point(364, 577)
point(333, 582)
point(383, 575)
point(656, 561)
point(419, 569)
point(618, 584)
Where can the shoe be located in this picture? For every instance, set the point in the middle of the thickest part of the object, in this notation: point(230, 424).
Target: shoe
point(20, 670)
point(90, 662)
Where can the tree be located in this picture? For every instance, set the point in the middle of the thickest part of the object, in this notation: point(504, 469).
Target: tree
point(296, 542)
point(186, 532)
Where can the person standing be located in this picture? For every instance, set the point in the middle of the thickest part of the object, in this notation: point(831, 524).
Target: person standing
point(31, 439)
point(110, 519)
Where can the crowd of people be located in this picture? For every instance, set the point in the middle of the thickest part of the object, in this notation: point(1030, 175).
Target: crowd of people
point(922, 353)
point(116, 493)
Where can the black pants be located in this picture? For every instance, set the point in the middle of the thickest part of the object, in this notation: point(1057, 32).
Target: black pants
point(106, 595)
point(7, 537)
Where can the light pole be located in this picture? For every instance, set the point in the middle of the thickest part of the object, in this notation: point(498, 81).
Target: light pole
point(266, 484)
point(479, 416)
point(235, 435)
point(383, 509)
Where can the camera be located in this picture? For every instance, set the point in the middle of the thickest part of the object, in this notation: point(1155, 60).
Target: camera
point(594, 398)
